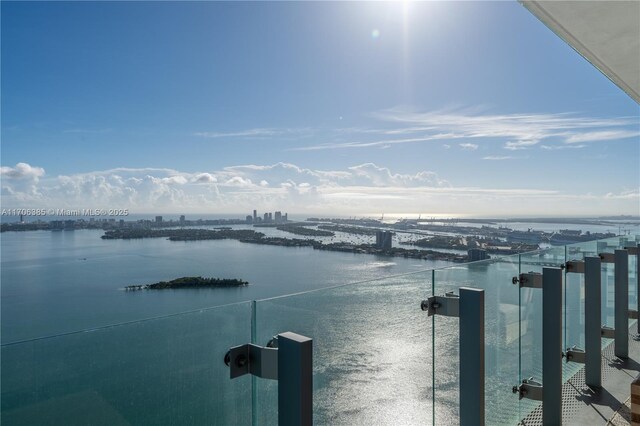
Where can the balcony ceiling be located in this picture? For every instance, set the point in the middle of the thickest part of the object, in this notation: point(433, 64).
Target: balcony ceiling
point(606, 33)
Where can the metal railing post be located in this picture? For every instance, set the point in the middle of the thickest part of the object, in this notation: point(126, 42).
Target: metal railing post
point(295, 380)
point(591, 356)
point(593, 319)
point(552, 346)
point(621, 303)
point(469, 307)
point(287, 358)
point(638, 285)
point(472, 356)
point(635, 251)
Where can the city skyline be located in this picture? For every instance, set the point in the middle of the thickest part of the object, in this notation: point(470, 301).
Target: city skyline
point(439, 108)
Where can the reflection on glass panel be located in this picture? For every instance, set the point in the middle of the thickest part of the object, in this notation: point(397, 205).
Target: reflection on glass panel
point(501, 340)
point(371, 349)
point(574, 304)
point(633, 282)
point(531, 315)
point(609, 245)
point(162, 371)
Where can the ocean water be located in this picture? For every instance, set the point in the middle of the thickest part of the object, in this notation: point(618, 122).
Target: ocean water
point(59, 282)
point(378, 359)
point(77, 349)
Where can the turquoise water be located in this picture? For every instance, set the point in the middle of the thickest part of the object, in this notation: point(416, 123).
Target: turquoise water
point(378, 359)
point(58, 282)
point(169, 370)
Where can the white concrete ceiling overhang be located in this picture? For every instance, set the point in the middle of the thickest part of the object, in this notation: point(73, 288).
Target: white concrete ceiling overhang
point(606, 33)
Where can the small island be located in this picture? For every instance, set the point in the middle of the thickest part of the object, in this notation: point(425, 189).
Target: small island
point(301, 230)
point(190, 282)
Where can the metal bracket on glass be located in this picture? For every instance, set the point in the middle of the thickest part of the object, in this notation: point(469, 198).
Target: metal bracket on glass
point(529, 389)
point(575, 354)
point(469, 308)
point(633, 314)
point(529, 279)
point(252, 359)
point(576, 266)
point(607, 257)
point(447, 305)
point(608, 332)
point(287, 358)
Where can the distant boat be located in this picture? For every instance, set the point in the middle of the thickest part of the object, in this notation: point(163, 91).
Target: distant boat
point(528, 236)
point(565, 237)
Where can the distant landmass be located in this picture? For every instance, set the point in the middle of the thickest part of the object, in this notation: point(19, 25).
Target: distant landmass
point(190, 282)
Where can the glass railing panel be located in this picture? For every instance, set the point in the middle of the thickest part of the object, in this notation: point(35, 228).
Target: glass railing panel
point(633, 279)
point(634, 284)
point(531, 317)
point(501, 340)
point(610, 245)
point(372, 359)
point(607, 298)
point(633, 241)
point(167, 370)
point(574, 304)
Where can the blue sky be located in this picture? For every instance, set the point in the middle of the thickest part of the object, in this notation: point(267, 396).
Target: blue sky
point(440, 107)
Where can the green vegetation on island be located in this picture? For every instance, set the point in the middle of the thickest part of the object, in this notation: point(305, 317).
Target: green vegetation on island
point(491, 245)
point(182, 234)
point(349, 229)
point(249, 236)
point(301, 230)
point(190, 282)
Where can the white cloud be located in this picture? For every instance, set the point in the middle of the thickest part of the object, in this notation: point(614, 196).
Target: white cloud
point(205, 178)
point(521, 130)
point(21, 182)
point(558, 147)
point(376, 143)
point(22, 171)
point(241, 133)
point(497, 157)
point(374, 175)
point(238, 181)
point(468, 146)
point(517, 145)
point(605, 135)
point(265, 132)
point(288, 187)
point(171, 180)
point(626, 195)
point(518, 131)
point(515, 131)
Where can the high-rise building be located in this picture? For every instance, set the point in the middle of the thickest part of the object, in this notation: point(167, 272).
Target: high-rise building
point(249, 219)
point(182, 219)
point(158, 219)
point(383, 240)
point(255, 215)
point(266, 217)
point(477, 254)
point(270, 217)
point(278, 217)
